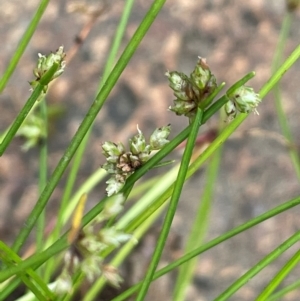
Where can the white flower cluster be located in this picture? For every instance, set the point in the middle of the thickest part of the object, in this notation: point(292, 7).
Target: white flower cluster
point(121, 163)
point(85, 251)
point(191, 91)
point(243, 99)
point(45, 63)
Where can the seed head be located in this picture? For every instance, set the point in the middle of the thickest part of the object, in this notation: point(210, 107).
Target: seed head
point(159, 137)
point(245, 99)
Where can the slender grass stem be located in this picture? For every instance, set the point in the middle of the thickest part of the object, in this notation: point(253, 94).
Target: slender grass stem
point(282, 118)
point(61, 244)
point(116, 41)
point(10, 258)
point(274, 79)
point(42, 175)
point(87, 122)
point(173, 143)
point(122, 254)
point(288, 267)
point(66, 198)
point(23, 43)
point(278, 295)
point(44, 81)
point(78, 155)
point(258, 267)
point(199, 228)
point(172, 206)
point(216, 241)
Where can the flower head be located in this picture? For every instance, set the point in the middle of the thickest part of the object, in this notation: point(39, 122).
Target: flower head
point(114, 185)
point(230, 110)
point(181, 85)
point(113, 237)
point(85, 252)
point(46, 62)
point(63, 284)
point(137, 143)
point(191, 91)
point(112, 151)
point(91, 266)
point(202, 77)
point(112, 276)
point(159, 137)
point(121, 164)
point(112, 207)
point(245, 99)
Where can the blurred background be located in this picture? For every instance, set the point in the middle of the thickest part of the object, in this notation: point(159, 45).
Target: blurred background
point(256, 173)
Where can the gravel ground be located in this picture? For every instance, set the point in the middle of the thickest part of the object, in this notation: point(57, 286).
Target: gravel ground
point(256, 173)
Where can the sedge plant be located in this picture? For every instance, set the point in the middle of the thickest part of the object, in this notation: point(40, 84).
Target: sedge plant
point(99, 241)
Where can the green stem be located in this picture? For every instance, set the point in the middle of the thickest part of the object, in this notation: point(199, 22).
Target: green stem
point(38, 259)
point(291, 264)
point(199, 228)
point(211, 97)
point(87, 122)
point(108, 66)
point(287, 133)
point(173, 143)
point(30, 278)
point(284, 33)
point(280, 72)
point(240, 83)
point(61, 244)
point(284, 291)
point(172, 206)
point(43, 175)
point(11, 287)
point(282, 118)
point(216, 241)
point(122, 254)
point(65, 200)
point(258, 267)
point(241, 117)
point(147, 198)
point(117, 41)
point(23, 43)
point(65, 203)
point(44, 81)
